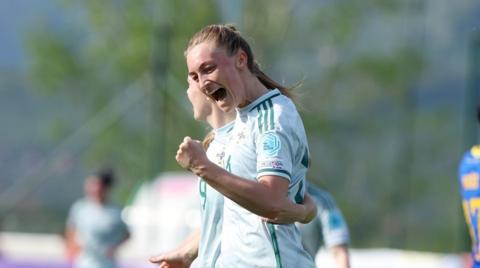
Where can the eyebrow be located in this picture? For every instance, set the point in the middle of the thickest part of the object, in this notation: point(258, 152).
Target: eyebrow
point(206, 64)
point(202, 67)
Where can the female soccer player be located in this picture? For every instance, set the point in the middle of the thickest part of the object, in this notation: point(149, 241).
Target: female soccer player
point(266, 156)
point(206, 242)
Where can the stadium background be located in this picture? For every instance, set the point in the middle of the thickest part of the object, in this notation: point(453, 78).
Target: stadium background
point(388, 94)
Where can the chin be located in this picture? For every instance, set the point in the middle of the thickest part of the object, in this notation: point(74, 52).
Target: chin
point(196, 117)
point(226, 109)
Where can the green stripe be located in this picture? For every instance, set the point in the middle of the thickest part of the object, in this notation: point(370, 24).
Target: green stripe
point(202, 188)
point(305, 161)
point(298, 196)
point(269, 98)
point(270, 107)
point(275, 170)
point(259, 119)
point(276, 250)
point(265, 116)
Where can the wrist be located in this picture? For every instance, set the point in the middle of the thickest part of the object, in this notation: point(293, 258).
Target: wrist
point(188, 255)
point(202, 168)
point(199, 169)
point(303, 214)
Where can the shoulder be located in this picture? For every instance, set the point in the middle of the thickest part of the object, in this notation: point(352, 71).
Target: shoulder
point(277, 112)
point(77, 210)
point(79, 204)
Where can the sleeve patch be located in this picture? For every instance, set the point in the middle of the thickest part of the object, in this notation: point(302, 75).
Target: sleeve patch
point(271, 144)
point(275, 164)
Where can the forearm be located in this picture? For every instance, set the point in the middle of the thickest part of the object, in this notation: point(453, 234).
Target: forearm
point(182, 256)
point(341, 256)
point(189, 247)
point(303, 213)
point(258, 197)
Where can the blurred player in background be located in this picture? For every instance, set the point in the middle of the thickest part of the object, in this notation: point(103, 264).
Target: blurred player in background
point(204, 244)
point(328, 228)
point(94, 228)
point(266, 157)
point(468, 177)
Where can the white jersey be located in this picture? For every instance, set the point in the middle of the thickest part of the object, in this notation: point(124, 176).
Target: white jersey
point(212, 204)
point(329, 227)
point(98, 228)
point(268, 138)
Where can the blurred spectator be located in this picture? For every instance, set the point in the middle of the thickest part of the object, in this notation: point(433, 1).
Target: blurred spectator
point(94, 227)
point(328, 228)
point(469, 180)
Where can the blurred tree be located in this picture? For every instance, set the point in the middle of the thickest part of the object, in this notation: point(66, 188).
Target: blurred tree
point(375, 144)
point(120, 64)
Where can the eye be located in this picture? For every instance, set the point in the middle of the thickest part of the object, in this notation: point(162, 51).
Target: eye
point(192, 77)
point(209, 69)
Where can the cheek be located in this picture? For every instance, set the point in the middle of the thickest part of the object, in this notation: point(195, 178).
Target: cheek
point(189, 97)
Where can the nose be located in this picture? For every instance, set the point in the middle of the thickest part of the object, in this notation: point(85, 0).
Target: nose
point(204, 82)
point(201, 83)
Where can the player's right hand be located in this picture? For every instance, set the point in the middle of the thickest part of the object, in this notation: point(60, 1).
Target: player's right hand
point(191, 154)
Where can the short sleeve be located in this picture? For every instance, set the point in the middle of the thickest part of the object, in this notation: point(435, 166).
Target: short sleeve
point(334, 228)
point(72, 214)
point(274, 154)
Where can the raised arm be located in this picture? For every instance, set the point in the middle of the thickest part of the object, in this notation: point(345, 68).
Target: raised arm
point(266, 197)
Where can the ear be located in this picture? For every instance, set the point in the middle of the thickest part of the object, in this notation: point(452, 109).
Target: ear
point(241, 59)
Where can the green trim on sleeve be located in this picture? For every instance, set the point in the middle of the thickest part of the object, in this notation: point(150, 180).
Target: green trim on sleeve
point(274, 170)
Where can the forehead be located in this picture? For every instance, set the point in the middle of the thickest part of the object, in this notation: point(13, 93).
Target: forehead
point(205, 52)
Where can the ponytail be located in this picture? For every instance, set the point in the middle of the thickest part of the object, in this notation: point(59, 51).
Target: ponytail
point(269, 83)
point(208, 139)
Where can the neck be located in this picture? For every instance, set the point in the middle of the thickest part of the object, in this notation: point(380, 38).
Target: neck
point(99, 200)
point(253, 89)
point(218, 118)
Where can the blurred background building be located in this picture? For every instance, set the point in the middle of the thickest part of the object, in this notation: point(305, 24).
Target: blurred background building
point(388, 94)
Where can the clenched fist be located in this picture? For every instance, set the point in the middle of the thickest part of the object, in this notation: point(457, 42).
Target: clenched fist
point(190, 154)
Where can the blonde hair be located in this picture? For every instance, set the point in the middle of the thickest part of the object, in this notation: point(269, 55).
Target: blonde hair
point(208, 139)
point(228, 37)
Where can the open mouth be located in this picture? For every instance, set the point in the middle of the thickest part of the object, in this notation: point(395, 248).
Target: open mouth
point(219, 94)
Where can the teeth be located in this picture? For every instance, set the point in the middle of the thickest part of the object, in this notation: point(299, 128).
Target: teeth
point(212, 92)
